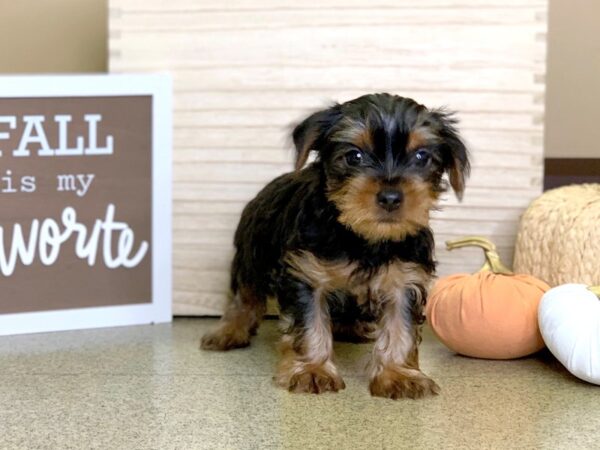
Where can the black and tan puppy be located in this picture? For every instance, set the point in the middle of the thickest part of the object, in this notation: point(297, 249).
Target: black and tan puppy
point(344, 244)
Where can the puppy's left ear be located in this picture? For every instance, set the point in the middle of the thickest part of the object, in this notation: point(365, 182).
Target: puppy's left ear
point(456, 155)
point(312, 132)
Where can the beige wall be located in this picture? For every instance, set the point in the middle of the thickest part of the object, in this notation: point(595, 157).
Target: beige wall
point(241, 76)
point(71, 36)
point(573, 80)
point(53, 36)
point(501, 120)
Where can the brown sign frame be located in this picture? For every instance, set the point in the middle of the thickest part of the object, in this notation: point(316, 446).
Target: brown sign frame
point(141, 113)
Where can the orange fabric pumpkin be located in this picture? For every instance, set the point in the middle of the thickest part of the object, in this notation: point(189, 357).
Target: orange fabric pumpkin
point(489, 314)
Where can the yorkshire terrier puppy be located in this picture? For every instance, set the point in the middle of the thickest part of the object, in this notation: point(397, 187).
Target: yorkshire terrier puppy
point(344, 244)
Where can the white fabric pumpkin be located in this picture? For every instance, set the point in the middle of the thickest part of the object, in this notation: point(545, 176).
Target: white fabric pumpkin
point(569, 320)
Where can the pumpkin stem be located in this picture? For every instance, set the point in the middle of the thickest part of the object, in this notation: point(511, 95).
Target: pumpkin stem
point(595, 290)
point(492, 259)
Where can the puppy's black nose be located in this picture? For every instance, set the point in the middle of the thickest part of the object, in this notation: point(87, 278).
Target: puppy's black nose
point(389, 199)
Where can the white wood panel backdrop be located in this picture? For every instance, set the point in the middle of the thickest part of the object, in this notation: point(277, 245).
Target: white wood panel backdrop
point(245, 69)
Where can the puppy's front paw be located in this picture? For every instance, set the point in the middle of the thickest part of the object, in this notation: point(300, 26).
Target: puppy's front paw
point(403, 383)
point(224, 339)
point(314, 380)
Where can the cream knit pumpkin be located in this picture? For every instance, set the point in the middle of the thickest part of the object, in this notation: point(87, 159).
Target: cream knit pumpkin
point(559, 236)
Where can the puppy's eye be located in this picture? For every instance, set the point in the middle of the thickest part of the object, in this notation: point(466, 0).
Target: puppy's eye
point(422, 156)
point(353, 158)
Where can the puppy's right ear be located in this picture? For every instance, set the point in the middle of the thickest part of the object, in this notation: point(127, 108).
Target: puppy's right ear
point(311, 133)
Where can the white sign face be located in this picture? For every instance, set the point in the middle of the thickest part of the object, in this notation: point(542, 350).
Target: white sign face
point(85, 195)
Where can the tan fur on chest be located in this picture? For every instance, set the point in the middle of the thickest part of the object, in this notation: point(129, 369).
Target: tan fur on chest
point(388, 280)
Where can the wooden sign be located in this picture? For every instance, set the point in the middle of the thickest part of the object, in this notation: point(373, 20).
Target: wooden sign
point(85, 201)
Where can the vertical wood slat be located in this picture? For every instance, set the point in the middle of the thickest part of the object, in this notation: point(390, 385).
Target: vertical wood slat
point(245, 69)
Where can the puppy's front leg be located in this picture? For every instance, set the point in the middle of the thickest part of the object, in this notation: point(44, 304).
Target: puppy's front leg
point(307, 344)
point(395, 364)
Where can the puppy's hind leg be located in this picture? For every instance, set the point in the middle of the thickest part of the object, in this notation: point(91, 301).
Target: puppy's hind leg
point(239, 322)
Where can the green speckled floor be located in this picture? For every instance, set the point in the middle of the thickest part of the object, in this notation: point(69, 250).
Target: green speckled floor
point(150, 387)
